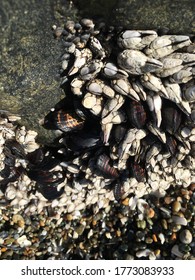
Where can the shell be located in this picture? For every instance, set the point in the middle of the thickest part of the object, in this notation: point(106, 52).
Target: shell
point(88, 138)
point(171, 144)
point(117, 191)
point(136, 113)
point(137, 171)
point(65, 121)
point(14, 174)
point(189, 94)
point(14, 149)
point(103, 165)
point(171, 118)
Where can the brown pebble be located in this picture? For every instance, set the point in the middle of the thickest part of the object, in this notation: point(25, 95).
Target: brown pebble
point(150, 213)
point(184, 192)
point(176, 206)
point(173, 236)
point(68, 217)
point(42, 223)
point(118, 233)
point(125, 201)
point(154, 237)
point(164, 224)
point(192, 187)
point(168, 199)
point(157, 252)
point(4, 249)
point(94, 222)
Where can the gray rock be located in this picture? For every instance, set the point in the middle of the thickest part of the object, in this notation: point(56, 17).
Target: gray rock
point(185, 236)
point(29, 72)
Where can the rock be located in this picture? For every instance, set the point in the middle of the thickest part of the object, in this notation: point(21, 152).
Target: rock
point(29, 72)
point(176, 206)
point(185, 236)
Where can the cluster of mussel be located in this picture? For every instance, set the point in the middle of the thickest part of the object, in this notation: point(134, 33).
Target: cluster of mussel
point(130, 94)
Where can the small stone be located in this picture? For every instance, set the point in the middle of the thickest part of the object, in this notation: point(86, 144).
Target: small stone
point(150, 213)
point(173, 236)
point(108, 235)
point(80, 229)
point(125, 201)
point(42, 223)
point(184, 248)
point(185, 236)
point(143, 253)
point(168, 199)
point(164, 224)
point(4, 249)
point(141, 224)
point(175, 251)
point(176, 206)
point(75, 235)
point(154, 237)
point(161, 237)
point(23, 242)
point(157, 252)
point(179, 220)
point(149, 240)
point(18, 219)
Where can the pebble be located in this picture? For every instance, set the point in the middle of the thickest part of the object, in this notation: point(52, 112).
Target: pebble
point(143, 253)
point(176, 206)
point(23, 242)
point(185, 236)
point(18, 219)
point(175, 251)
point(179, 220)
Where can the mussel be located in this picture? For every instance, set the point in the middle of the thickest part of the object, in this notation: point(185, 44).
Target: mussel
point(136, 113)
point(14, 149)
point(103, 164)
point(117, 190)
point(171, 144)
point(66, 121)
point(171, 118)
point(137, 170)
point(14, 174)
point(87, 138)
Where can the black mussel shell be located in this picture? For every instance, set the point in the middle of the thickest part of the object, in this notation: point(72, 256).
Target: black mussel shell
point(65, 121)
point(118, 132)
point(14, 174)
point(9, 160)
point(45, 176)
point(14, 149)
point(146, 144)
point(88, 138)
point(36, 156)
point(50, 192)
point(117, 190)
point(136, 113)
point(4, 173)
point(171, 144)
point(171, 118)
point(104, 166)
point(137, 171)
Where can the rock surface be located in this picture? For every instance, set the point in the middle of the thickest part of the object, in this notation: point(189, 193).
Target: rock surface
point(29, 73)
